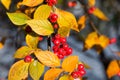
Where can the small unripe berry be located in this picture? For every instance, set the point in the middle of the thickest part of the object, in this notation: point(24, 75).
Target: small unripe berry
point(112, 41)
point(28, 58)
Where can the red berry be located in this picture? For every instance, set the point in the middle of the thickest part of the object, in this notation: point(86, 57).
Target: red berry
point(113, 40)
point(60, 50)
point(63, 40)
point(80, 67)
point(75, 74)
point(91, 10)
point(72, 3)
point(28, 58)
point(40, 38)
point(56, 53)
point(55, 48)
point(51, 2)
point(53, 17)
point(57, 36)
point(65, 46)
point(56, 42)
point(55, 26)
point(28, 29)
point(69, 51)
point(60, 56)
point(118, 73)
point(82, 73)
point(53, 38)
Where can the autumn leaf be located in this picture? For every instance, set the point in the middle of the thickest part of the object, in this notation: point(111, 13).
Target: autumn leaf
point(6, 3)
point(67, 19)
point(52, 74)
point(41, 27)
point(69, 63)
point(66, 77)
point(42, 12)
point(18, 71)
point(47, 58)
point(23, 51)
point(81, 22)
point(113, 68)
point(36, 69)
point(1, 45)
point(31, 3)
point(32, 40)
point(64, 31)
point(91, 3)
point(18, 18)
point(98, 13)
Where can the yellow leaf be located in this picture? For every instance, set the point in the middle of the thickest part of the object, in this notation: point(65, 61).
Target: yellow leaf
point(36, 69)
point(91, 3)
point(6, 3)
point(69, 63)
point(47, 58)
point(66, 77)
point(81, 22)
point(23, 51)
point(42, 12)
point(103, 41)
point(67, 19)
point(1, 45)
point(18, 71)
point(98, 13)
point(31, 3)
point(32, 40)
point(18, 18)
point(41, 27)
point(52, 74)
point(64, 31)
point(113, 68)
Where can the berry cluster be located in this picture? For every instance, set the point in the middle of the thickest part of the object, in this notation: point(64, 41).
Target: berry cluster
point(51, 2)
point(28, 58)
point(79, 72)
point(61, 48)
point(91, 9)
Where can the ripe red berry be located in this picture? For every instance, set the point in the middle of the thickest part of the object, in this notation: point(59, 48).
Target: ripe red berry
point(65, 46)
point(63, 40)
point(28, 58)
point(91, 10)
point(57, 36)
point(53, 17)
point(40, 38)
point(55, 26)
point(113, 40)
point(60, 50)
point(51, 2)
point(82, 73)
point(72, 3)
point(60, 56)
point(55, 48)
point(28, 29)
point(75, 74)
point(118, 73)
point(80, 67)
point(56, 53)
point(56, 42)
point(69, 51)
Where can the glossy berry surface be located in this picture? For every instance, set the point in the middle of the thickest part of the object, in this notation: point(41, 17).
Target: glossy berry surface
point(82, 73)
point(69, 51)
point(51, 2)
point(63, 40)
point(28, 58)
point(112, 40)
point(91, 10)
point(65, 46)
point(56, 42)
point(75, 74)
point(53, 17)
point(80, 67)
point(60, 56)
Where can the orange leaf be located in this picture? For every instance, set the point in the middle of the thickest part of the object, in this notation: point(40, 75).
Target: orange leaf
point(47, 58)
point(69, 63)
point(51, 74)
point(18, 71)
point(6, 3)
point(98, 13)
point(66, 77)
point(91, 3)
point(1, 45)
point(31, 3)
point(81, 22)
point(113, 69)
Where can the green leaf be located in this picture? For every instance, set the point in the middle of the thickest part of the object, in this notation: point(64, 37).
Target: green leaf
point(23, 51)
point(41, 27)
point(36, 69)
point(66, 77)
point(42, 12)
point(18, 18)
point(32, 40)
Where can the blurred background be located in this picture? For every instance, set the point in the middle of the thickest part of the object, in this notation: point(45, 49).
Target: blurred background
point(13, 38)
